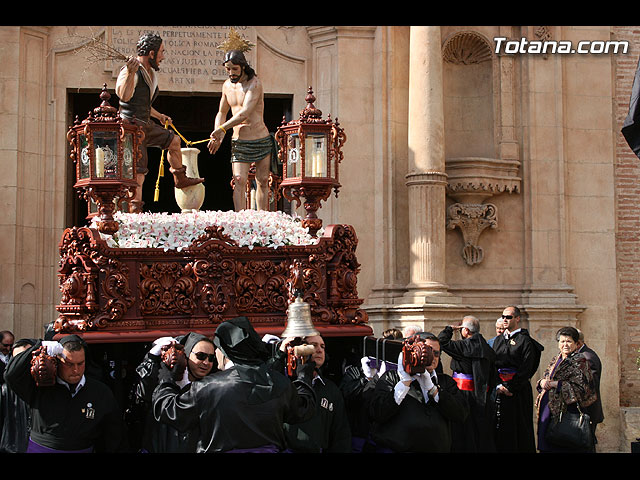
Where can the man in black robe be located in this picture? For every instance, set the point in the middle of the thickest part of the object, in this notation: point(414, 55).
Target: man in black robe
point(415, 413)
point(77, 413)
point(473, 365)
point(328, 431)
point(15, 419)
point(517, 359)
point(242, 408)
point(6, 344)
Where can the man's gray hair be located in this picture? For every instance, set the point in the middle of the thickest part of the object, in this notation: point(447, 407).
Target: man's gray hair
point(472, 323)
point(411, 330)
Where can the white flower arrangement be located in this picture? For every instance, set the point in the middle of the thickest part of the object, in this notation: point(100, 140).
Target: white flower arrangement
point(175, 231)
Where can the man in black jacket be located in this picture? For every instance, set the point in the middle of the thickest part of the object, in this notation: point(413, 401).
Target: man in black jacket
point(78, 413)
point(473, 363)
point(414, 413)
point(517, 359)
point(242, 408)
point(328, 431)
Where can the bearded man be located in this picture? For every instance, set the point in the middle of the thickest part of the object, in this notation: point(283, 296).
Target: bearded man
point(243, 94)
point(137, 88)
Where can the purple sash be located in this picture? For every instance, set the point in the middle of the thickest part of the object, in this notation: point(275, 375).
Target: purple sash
point(37, 448)
point(506, 374)
point(464, 381)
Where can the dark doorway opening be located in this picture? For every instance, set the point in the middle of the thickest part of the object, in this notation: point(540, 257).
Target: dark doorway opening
point(193, 116)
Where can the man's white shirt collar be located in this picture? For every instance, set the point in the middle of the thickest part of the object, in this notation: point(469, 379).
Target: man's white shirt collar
point(508, 334)
point(78, 386)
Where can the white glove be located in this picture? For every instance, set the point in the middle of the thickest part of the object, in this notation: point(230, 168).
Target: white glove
point(400, 390)
point(383, 368)
point(185, 379)
point(53, 348)
point(159, 343)
point(368, 371)
point(426, 384)
point(404, 376)
point(268, 338)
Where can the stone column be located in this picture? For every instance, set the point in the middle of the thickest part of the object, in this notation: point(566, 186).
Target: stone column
point(426, 178)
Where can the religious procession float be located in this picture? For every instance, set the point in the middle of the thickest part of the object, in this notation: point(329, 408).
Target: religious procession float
point(127, 279)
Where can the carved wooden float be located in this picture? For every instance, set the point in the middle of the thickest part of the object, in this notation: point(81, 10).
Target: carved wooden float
point(139, 294)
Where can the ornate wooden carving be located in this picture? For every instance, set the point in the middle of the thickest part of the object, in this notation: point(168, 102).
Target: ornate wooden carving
point(174, 356)
point(118, 289)
point(44, 367)
point(416, 355)
point(167, 288)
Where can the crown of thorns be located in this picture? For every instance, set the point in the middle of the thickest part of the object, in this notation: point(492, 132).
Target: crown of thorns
point(235, 42)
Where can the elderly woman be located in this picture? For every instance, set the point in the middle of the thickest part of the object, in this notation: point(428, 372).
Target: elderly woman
point(567, 384)
point(201, 362)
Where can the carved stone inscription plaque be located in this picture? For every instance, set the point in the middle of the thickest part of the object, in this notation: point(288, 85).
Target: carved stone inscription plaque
point(192, 57)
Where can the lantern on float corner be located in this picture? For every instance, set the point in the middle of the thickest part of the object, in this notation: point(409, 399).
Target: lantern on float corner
point(105, 150)
point(310, 150)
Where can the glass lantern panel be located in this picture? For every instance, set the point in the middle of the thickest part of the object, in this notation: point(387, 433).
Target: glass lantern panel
point(106, 154)
point(293, 156)
point(127, 156)
point(315, 153)
point(85, 162)
point(93, 207)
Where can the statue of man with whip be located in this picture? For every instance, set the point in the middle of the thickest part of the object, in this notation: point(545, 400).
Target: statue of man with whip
point(137, 88)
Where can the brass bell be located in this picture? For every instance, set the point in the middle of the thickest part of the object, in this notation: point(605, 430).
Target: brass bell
point(299, 323)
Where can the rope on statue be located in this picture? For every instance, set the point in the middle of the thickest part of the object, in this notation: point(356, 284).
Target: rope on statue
point(188, 143)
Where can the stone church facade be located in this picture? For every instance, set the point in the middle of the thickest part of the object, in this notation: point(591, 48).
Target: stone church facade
point(475, 177)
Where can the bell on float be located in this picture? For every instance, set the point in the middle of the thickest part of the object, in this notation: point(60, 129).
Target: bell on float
point(299, 323)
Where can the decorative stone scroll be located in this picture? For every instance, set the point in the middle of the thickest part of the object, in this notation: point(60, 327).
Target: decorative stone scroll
point(471, 181)
point(134, 289)
point(472, 219)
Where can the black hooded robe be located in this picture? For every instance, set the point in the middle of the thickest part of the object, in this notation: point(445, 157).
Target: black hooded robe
point(159, 437)
point(239, 409)
point(514, 414)
point(473, 357)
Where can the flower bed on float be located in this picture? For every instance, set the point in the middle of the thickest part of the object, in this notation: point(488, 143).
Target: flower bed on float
point(174, 272)
point(176, 231)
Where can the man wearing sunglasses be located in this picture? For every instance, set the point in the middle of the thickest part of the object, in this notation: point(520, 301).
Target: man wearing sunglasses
point(517, 359)
point(157, 437)
point(243, 407)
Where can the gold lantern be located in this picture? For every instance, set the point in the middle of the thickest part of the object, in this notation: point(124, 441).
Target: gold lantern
point(105, 150)
point(310, 150)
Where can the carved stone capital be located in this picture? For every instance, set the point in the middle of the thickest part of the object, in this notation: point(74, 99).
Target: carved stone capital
point(480, 178)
